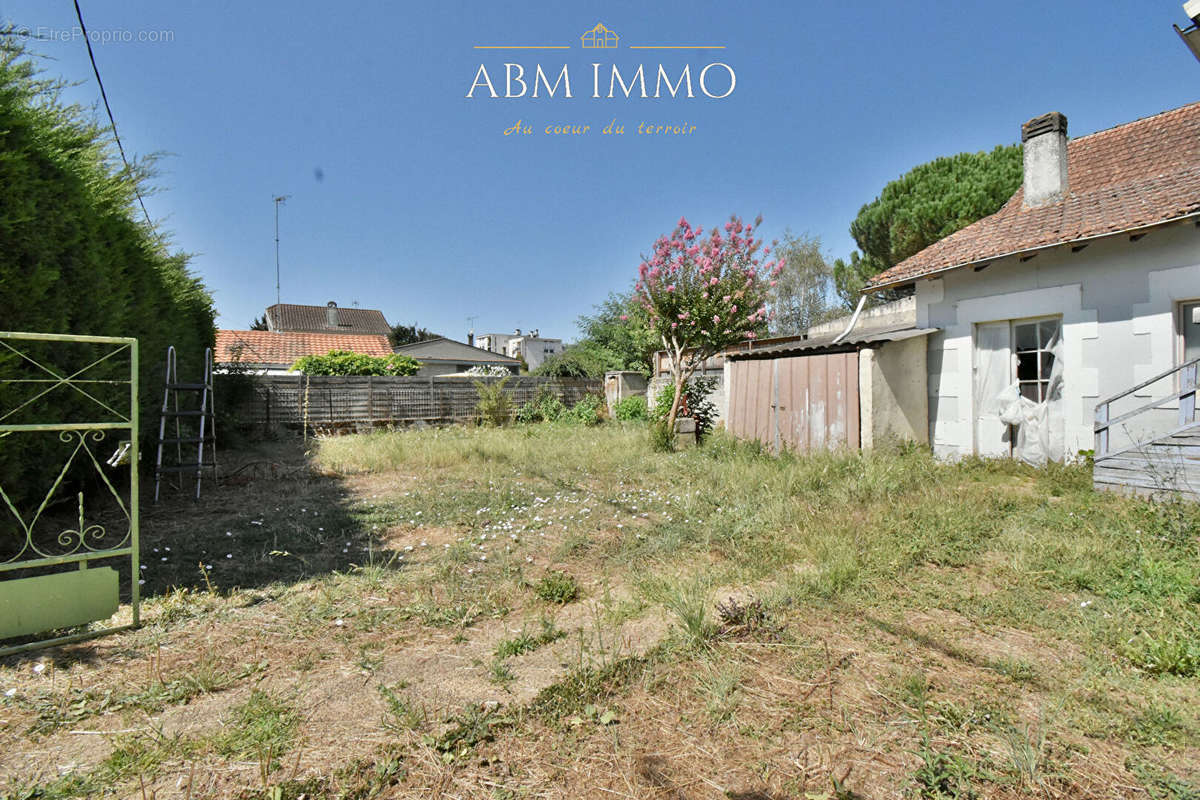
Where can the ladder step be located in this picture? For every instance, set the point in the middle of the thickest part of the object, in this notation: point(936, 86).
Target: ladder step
point(207, 413)
point(189, 441)
point(189, 386)
point(189, 468)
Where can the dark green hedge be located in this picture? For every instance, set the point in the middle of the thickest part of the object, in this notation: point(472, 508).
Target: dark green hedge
point(77, 256)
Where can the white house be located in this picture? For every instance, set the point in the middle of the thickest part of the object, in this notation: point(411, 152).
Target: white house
point(494, 342)
point(534, 348)
point(531, 347)
point(1084, 285)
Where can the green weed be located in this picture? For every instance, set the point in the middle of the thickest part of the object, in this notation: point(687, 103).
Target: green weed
point(557, 587)
point(403, 713)
point(261, 729)
point(525, 642)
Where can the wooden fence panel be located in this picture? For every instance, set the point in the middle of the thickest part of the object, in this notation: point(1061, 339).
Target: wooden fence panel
point(336, 402)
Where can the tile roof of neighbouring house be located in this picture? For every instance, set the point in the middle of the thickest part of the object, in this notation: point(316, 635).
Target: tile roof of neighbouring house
point(314, 319)
point(284, 348)
point(1128, 177)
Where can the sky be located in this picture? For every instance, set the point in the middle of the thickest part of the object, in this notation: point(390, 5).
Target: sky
point(405, 195)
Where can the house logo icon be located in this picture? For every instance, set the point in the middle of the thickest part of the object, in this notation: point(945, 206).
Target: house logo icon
point(599, 37)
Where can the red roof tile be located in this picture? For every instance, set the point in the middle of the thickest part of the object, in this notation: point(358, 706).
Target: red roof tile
point(1128, 177)
point(271, 347)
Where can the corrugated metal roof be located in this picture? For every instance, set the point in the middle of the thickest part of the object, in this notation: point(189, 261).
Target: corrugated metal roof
point(826, 344)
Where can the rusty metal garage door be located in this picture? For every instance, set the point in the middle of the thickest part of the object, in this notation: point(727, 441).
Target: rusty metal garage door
point(797, 403)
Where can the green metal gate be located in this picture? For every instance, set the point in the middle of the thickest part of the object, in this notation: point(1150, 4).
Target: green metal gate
point(65, 402)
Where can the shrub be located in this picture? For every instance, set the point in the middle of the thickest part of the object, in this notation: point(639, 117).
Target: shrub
point(699, 407)
point(528, 414)
point(631, 408)
point(489, 371)
point(545, 407)
point(495, 406)
point(344, 362)
point(589, 410)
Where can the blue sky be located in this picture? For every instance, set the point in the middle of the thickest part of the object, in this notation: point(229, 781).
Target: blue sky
point(407, 197)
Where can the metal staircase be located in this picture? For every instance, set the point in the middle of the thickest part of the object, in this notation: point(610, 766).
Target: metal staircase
point(194, 427)
point(1164, 462)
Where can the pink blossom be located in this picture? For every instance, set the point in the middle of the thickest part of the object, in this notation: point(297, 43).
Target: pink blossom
point(671, 288)
point(716, 319)
point(732, 310)
point(625, 317)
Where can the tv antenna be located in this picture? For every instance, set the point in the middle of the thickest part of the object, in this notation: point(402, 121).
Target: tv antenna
point(279, 200)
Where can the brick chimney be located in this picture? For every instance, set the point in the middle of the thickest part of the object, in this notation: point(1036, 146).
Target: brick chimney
point(1045, 140)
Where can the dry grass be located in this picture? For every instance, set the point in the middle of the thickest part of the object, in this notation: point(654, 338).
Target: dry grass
point(542, 612)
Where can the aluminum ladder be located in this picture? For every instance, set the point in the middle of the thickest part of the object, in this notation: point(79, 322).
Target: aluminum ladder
point(195, 425)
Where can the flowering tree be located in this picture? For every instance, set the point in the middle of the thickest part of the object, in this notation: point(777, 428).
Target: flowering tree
point(702, 294)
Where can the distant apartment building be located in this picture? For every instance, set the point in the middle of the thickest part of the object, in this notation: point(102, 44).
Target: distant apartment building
point(531, 347)
point(494, 342)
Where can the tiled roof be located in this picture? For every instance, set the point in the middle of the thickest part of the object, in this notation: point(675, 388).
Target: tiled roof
point(1120, 179)
point(283, 349)
point(315, 319)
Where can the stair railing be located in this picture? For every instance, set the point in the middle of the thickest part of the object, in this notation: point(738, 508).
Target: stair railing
point(1186, 395)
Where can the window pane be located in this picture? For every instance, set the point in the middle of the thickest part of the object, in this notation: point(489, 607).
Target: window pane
point(1027, 366)
point(1026, 336)
point(1030, 391)
point(1047, 366)
point(1191, 332)
point(1047, 333)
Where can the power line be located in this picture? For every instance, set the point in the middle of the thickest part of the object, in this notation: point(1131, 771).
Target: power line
point(113, 122)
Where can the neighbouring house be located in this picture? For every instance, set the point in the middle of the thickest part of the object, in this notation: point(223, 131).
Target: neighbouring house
point(292, 318)
point(443, 356)
point(274, 352)
point(1070, 318)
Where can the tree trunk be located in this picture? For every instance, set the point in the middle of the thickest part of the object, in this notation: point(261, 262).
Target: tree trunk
point(674, 412)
